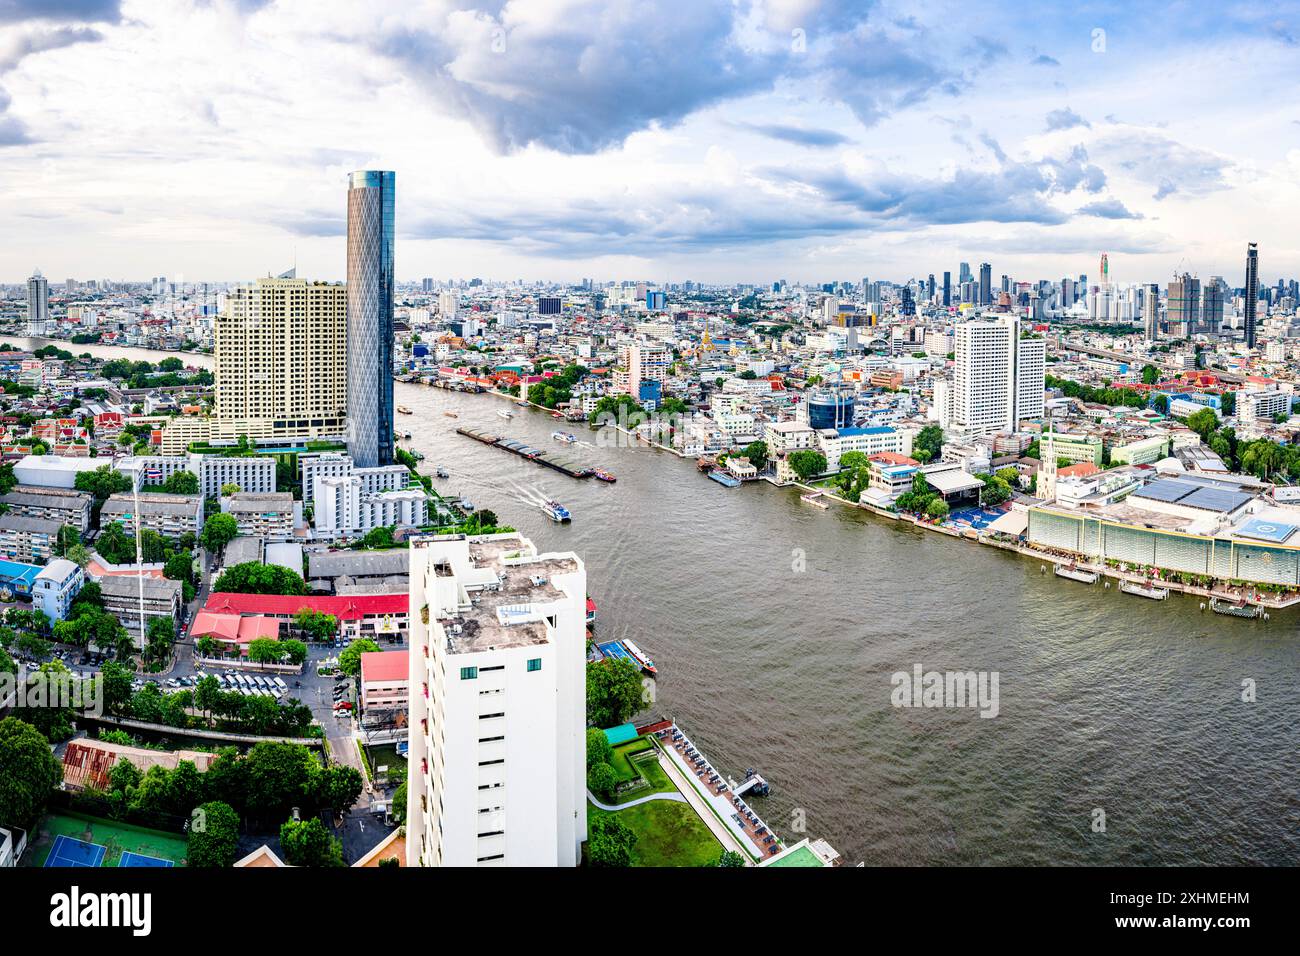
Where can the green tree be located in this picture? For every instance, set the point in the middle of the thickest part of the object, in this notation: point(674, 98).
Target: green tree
point(253, 577)
point(218, 531)
point(350, 657)
point(315, 625)
point(181, 483)
point(937, 509)
point(756, 452)
point(730, 859)
point(598, 748)
point(1150, 375)
point(601, 780)
point(400, 796)
point(29, 772)
point(614, 692)
point(102, 482)
point(807, 464)
point(337, 787)
point(308, 843)
point(610, 842)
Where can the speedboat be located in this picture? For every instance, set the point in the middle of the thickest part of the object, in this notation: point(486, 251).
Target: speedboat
point(403, 410)
point(505, 414)
point(557, 512)
point(564, 437)
point(442, 473)
point(601, 474)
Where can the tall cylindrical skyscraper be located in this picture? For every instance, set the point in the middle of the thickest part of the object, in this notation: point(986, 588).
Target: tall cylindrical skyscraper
point(370, 317)
point(1252, 291)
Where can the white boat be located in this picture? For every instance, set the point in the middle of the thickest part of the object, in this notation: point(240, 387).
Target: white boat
point(505, 414)
point(557, 512)
point(564, 437)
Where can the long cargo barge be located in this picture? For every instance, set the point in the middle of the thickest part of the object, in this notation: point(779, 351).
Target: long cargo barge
point(539, 455)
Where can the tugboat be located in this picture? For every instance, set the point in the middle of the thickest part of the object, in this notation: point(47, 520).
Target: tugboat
point(557, 512)
point(601, 474)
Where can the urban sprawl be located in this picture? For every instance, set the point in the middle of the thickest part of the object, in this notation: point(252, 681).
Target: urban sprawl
point(302, 653)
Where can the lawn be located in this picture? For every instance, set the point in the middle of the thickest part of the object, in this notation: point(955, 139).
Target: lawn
point(109, 833)
point(669, 833)
point(639, 758)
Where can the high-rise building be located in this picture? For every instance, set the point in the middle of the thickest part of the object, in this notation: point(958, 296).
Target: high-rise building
point(963, 274)
point(370, 317)
point(497, 762)
point(1151, 312)
point(38, 304)
point(947, 288)
point(1213, 294)
point(1184, 307)
point(998, 376)
point(1252, 291)
point(281, 361)
point(986, 284)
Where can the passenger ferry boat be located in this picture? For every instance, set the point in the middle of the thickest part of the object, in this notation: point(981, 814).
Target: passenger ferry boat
point(564, 437)
point(640, 657)
point(557, 512)
point(600, 474)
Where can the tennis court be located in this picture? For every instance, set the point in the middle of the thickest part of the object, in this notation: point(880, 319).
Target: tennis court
point(72, 838)
point(69, 851)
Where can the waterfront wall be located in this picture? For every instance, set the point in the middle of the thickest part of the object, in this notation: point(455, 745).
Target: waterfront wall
point(1224, 558)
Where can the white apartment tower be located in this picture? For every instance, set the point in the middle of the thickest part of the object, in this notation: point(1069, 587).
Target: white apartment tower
point(998, 377)
point(38, 304)
point(497, 757)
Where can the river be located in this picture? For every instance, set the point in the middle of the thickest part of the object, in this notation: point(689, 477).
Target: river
point(776, 627)
point(1107, 701)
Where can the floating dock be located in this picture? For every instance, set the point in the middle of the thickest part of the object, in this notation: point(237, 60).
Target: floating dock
point(722, 478)
point(1074, 574)
point(540, 455)
point(1144, 590)
point(1234, 610)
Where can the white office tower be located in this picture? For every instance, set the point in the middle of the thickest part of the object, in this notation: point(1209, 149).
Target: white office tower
point(498, 704)
point(998, 376)
point(38, 304)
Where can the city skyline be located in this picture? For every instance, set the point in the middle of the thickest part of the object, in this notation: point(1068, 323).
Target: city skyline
point(542, 142)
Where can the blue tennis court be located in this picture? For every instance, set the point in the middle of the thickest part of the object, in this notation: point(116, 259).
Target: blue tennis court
point(68, 851)
point(139, 859)
point(977, 518)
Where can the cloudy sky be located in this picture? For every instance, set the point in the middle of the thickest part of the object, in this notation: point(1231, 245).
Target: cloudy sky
point(656, 139)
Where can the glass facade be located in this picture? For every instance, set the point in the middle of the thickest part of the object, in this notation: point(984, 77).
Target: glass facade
point(370, 317)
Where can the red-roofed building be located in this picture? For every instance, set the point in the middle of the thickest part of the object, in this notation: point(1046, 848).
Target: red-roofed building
point(233, 631)
point(1084, 469)
point(385, 677)
point(359, 615)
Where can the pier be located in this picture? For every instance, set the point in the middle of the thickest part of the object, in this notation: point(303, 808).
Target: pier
point(540, 455)
point(1076, 574)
